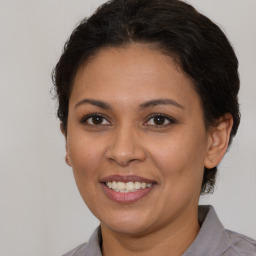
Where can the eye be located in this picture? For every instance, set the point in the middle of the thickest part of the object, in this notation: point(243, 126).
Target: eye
point(160, 120)
point(95, 120)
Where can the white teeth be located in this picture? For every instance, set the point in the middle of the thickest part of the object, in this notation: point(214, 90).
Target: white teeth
point(130, 186)
point(127, 187)
point(137, 185)
point(109, 184)
point(121, 186)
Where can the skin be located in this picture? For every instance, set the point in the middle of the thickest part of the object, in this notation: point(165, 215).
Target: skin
point(129, 142)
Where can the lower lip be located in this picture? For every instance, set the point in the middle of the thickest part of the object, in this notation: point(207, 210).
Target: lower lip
point(126, 197)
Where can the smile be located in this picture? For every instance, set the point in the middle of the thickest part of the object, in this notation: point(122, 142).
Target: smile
point(126, 189)
point(122, 187)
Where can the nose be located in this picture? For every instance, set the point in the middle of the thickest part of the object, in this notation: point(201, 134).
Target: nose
point(125, 147)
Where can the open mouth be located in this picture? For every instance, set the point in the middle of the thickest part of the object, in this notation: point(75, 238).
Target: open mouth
point(126, 189)
point(130, 186)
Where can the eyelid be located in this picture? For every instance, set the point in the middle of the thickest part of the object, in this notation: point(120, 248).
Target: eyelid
point(169, 118)
point(84, 119)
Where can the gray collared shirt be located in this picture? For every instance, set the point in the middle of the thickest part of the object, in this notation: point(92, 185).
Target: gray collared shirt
point(212, 240)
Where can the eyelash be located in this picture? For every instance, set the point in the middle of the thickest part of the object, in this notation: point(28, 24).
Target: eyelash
point(85, 119)
point(170, 120)
point(166, 118)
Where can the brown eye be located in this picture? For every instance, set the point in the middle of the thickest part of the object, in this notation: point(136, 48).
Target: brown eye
point(96, 120)
point(160, 120)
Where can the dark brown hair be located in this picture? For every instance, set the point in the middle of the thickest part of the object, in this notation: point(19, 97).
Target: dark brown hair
point(197, 44)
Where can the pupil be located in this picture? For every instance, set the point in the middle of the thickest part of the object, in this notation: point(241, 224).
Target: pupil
point(97, 119)
point(159, 120)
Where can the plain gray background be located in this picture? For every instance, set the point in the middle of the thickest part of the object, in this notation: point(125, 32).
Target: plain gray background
point(41, 212)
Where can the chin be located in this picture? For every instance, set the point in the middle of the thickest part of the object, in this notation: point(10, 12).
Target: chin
point(129, 223)
point(128, 228)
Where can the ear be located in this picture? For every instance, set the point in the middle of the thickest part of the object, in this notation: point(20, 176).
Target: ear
point(67, 157)
point(219, 136)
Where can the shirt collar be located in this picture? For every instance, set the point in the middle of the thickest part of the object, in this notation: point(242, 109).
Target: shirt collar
point(212, 239)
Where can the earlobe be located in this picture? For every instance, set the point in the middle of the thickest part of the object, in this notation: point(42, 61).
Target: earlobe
point(219, 136)
point(67, 158)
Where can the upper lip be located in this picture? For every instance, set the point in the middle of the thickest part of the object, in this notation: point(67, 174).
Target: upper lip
point(126, 178)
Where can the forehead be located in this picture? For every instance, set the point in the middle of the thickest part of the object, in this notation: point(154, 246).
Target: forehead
point(132, 74)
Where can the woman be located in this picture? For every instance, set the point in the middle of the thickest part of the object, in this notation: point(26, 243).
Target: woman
point(147, 94)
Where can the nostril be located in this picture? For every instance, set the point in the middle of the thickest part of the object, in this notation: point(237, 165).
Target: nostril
point(122, 161)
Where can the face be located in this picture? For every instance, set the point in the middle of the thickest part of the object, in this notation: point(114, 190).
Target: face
point(136, 139)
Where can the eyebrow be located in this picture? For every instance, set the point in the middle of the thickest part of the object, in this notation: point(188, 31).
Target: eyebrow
point(147, 104)
point(155, 102)
point(98, 103)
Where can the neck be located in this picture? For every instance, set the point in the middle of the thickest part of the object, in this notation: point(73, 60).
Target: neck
point(172, 239)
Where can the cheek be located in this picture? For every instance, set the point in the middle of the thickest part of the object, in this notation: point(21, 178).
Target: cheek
point(85, 161)
point(84, 155)
point(180, 155)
